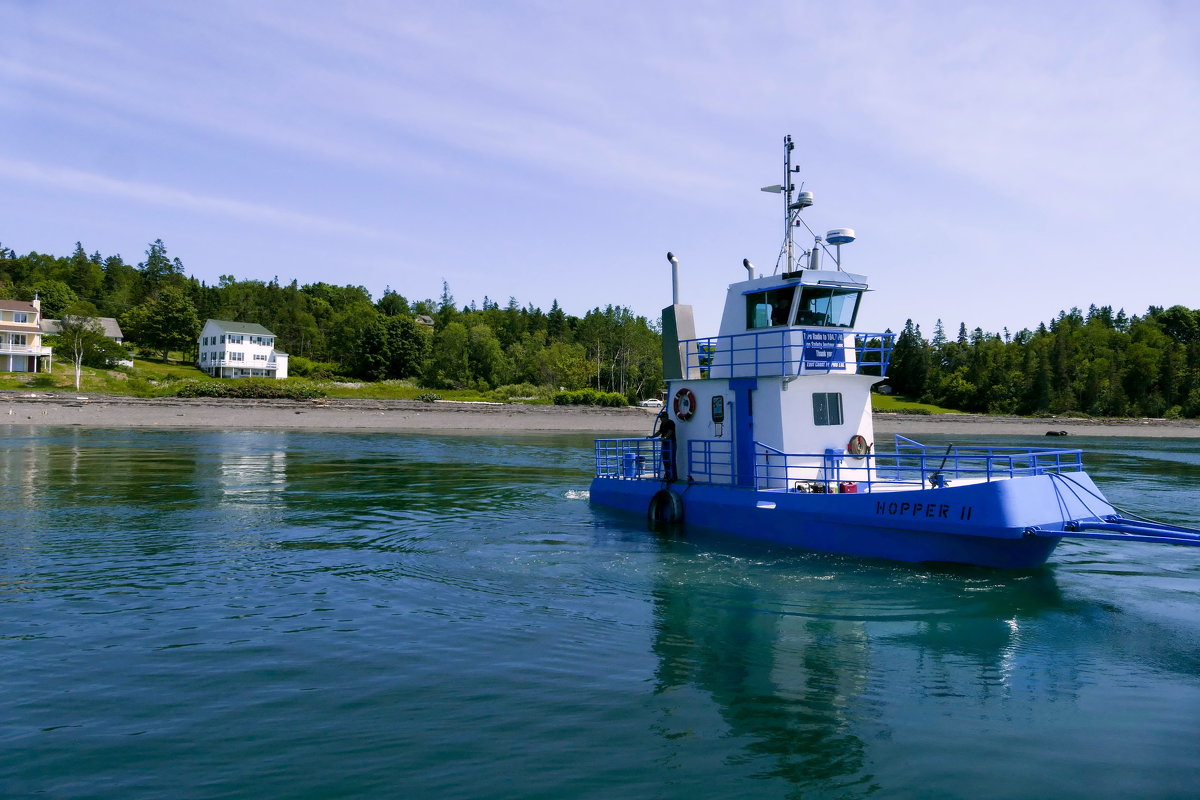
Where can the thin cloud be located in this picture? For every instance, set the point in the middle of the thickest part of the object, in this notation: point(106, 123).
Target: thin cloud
point(90, 183)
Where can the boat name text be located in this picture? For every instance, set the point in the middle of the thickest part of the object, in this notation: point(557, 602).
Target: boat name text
point(928, 510)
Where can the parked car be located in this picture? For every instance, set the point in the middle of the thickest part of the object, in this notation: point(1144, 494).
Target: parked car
point(653, 402)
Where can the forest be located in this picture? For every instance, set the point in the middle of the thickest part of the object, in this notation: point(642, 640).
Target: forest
point(330, 330)
point(1100, 363)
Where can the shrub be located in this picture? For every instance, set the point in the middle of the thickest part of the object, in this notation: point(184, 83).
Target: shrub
point(429, 397)
point(248, 389)
point(302, 367)
point(520, 391)
point(590, 397)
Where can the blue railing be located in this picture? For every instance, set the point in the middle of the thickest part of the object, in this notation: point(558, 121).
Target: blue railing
point(912, 466)
point(710, 461)
point(632, 459)
point(953, 461)
point(787, 351)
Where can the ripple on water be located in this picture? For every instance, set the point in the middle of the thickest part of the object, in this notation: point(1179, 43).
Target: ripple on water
point(343, 615)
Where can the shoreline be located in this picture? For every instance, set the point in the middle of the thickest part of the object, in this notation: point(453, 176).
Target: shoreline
point(41, 409)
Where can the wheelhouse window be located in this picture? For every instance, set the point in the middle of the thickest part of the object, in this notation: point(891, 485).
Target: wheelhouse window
point(827, 408)
point(827, 307)
point(770, 308)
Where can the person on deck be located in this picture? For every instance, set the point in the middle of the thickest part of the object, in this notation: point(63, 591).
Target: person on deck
point(664, 428)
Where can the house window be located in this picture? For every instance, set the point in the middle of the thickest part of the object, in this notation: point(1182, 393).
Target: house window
point(235, 339)
point(259, 357)
point(20, 316)
point(827, 408)
point(237, 357)
point(19, 339)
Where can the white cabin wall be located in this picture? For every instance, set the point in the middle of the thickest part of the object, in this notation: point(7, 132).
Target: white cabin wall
point(701, 425)
point(733, 319)
point(801, 435)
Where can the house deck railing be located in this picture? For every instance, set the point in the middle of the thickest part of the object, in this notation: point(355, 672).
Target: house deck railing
point(24, 350)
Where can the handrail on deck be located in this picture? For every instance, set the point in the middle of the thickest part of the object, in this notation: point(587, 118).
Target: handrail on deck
point(634, 459)
point(912, 465)
point(788, 351)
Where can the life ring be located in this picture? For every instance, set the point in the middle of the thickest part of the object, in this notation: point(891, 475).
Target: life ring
point(685, 404)
point(665, 506)
point(858, 446)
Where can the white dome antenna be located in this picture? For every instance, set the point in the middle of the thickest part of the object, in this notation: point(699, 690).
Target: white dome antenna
point(803, 200)
point(839, 237)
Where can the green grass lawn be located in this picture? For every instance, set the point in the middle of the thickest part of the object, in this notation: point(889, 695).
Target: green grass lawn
point(900, 405)
point(145, 379)
point(63, 380)
point(152, 378)
point(175, 367)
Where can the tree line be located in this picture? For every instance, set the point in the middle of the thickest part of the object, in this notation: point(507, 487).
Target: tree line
point(330, 330)
point(1098, 363)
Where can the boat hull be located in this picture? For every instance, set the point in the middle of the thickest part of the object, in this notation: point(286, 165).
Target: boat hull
point(983, 524)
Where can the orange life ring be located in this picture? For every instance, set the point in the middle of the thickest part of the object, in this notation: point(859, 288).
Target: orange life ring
point(858, 446)
point(685, 404)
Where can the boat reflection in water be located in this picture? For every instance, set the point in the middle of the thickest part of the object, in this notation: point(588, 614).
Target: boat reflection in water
point(823, 666)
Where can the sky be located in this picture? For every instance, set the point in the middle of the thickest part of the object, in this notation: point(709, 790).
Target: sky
point(1000, 162)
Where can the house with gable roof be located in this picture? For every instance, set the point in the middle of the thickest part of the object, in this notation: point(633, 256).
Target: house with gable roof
point(240, 350)
point(21, 347)
point(109, 328)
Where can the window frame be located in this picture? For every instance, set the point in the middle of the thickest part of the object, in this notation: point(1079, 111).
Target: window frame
point(827, 406)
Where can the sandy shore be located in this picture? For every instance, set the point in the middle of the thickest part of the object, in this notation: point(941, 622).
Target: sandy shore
point(98, 411)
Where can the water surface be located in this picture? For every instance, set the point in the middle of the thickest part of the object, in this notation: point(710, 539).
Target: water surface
point(319, 615)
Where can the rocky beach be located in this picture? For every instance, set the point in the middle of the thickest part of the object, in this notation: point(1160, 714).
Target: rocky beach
point(110, 411)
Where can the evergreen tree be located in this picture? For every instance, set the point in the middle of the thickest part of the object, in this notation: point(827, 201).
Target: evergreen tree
point(165, 322)
point(157, 268)
point(910, 363)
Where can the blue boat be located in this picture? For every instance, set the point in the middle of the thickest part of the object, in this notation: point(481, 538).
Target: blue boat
point(767, 432)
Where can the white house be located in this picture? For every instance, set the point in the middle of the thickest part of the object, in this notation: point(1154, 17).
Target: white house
point(240, 350)
point(21, 337)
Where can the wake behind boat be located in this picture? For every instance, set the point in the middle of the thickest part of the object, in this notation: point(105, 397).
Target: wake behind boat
point(767, 432)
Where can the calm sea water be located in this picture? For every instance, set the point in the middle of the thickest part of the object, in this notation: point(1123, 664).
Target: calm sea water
point(312, 615)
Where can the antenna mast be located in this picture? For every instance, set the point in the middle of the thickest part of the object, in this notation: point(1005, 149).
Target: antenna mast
point(787, 199)
point(790, 208)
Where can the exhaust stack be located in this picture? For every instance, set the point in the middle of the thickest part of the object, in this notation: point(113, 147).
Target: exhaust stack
point(678, 326)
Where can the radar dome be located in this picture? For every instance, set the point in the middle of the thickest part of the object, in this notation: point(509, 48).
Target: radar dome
point(840, 236)
point(802, 201)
